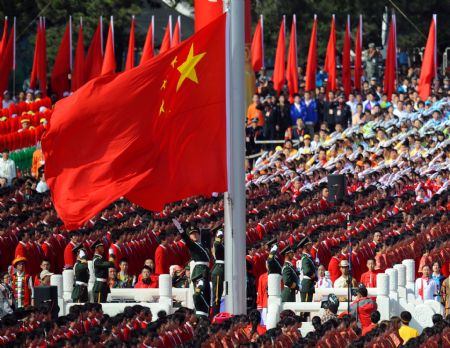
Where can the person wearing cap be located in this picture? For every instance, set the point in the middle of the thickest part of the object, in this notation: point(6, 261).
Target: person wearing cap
point(45, 276)
point(201, 296)
point(22, 283)
point(290, 276)
point(81, 275)
point(218, 271)
point(7, 167)
point(101, 268)
point(406, 332)
point(69, 255)
point(344, 280)
point(329, 308)
point(308, 271)
point(253, 132)
point(362, 307)
point(273, 262)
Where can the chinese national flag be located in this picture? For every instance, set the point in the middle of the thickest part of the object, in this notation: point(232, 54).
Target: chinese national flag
point(330, 59)
point(429, 67)
point(311, 65)
point(279, 71)
point(147, 51)
point(61, 67)
point(390, 70)
point(206, 11)
point(154, 134)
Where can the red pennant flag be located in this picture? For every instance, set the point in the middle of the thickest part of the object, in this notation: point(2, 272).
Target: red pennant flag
point(279, 67)
point(147, 51)
point(4, 41)
point(292, 71)
point(257, 49)
point(346, 65)
point(167, 39)
point(206, 11)
point(330, 59)
point(42, 67)
point(61, 67)
point(109, 60)
point(34, 70)
point(176, 38)
point(7, 61)
point(429, 67)
point(130, 56)
point(175, 149)
point(390, 69)
point(358, 56)
point(311, 65)
point(78, 77)
point(94, 57)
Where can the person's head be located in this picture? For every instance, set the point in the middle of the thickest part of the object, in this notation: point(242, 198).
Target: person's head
point(325, 193)
point(149, 263)
point(123, 265)
point(361, 291)
point(255, 99)
point(405, 317)
point(296, 99)
point(343, 266)
point(45, 277)
point(20, 266)
point(426, 271)
point(194, 234)
point(5, 154)
point(375, 317)
point(377, 237)
point(45, 265)
point(145, 273)
point(371, 264)
point(5, 278)
point(321, 271)
point(112, 273)
point(307, 95)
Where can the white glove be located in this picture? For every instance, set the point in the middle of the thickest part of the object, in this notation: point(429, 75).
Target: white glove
point(274, 248)
point(82, 253)
point(178, 225)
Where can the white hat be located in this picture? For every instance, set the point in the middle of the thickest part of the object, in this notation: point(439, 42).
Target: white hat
point(44, 274)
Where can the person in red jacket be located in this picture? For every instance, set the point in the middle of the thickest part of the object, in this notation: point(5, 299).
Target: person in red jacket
point(369, 278)
point(262, 295)
point(162, 256)
point(333, 266)
point(363, 307)
point(69, 257)
point(146, 281)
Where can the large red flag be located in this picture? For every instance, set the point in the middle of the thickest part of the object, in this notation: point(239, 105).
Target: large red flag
point(42, 67)
point(176, 38)
point(358, 56)
point(175, 149)
point(311, 65)
point(147, 51)
point(94, 57)
point(292, 72)
point(7, 61)
point(4, 41)
point(130, 56)
point(279, 71)
point(429, 67)
point(206, 11)
point(257, 49)
point(167, 39)
point(346, 66)
point(78, 76)
point(109, 60)
point(330, 59)
point(390, 69)
point(35, 68)
point(62, 65)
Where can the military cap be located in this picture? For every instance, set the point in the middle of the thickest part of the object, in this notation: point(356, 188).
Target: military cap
point(288, 249)
point(304, 242)
point(78, 248)
point(96, 244)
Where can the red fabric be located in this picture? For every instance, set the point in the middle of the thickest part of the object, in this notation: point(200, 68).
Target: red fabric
point(369, 279)
point(162, 260)
point(257, 48)
point(176, 37)
point(280, 59)
point(365, 307)
point(166, 41)
point(34, 69)
point(429, 69)
point(109, 60)
point(333, 268)
point(130, 56)
point(206, 11)
point(61, 67)
point(26, 289)
point(311, 65)
point(262, 297)
point(346, 68)
point(358, 56)
point(390, 71)
point(4, 40)
point(175, 149)
point(94, 57)
point(69, 256)
point(6, 58)
point(147, 51)
point(78, 76)
point(292, 71)
point(330, 59)
point(153, 283)
point(42, 67)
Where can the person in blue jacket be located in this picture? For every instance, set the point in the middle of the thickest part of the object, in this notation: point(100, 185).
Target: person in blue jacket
point(308, 111)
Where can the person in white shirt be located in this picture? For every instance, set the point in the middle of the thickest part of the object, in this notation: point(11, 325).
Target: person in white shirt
point(42, 185)
point(426, 287)
point(323, 282)
point(7, 167)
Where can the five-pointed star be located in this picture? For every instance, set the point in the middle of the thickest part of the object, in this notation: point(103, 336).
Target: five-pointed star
point(163, 86)
point(161, 108)
point(174, 61)
point(187, 69)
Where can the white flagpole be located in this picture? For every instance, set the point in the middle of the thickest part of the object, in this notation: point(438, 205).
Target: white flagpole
point(235, 223)
point(112, 31)
point(153, 33)
point(170, 30)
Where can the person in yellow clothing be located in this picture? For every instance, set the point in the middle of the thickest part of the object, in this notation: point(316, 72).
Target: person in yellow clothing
point(38, 161)
point(406, 332)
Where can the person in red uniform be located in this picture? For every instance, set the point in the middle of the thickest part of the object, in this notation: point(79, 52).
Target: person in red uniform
point(69, 256)
point(146, 281)
point(49, 252)
point(22, 248)
point(262, 295)
point(115, 250)
point(333, 266)
point(363, 307)
point(162, 256)
point(369, 278)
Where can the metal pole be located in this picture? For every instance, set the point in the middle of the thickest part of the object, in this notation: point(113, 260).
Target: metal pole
point(235, 265)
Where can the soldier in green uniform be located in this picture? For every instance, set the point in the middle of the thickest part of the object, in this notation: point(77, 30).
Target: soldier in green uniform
point(308, 271)
point(101, 266)
point(201, 302)
point(198, 245)
point(81, 271)
point(290, 276)
point(273, 262)
point(218, 272)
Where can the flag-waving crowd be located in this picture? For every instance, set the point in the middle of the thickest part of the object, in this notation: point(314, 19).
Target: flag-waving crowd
point(393, 149)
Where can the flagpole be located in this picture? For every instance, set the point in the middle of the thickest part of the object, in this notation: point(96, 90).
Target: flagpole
point(235, 263)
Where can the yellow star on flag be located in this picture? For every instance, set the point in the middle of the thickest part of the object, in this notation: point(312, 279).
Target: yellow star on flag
point(161, 108)
point(187, 69)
